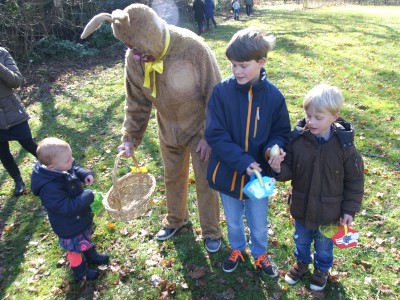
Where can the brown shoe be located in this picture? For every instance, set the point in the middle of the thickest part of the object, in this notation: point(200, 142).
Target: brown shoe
point(319, 279)
point(296, 272)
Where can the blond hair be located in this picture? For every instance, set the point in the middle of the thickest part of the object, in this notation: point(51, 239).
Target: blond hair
point(324, 97)
point(49, 148)
point(249, 44)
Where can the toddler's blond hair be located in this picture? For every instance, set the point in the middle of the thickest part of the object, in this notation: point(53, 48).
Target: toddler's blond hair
point(48, 149)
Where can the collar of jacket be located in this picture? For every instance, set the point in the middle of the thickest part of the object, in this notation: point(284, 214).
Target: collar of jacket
point(343, 129)
point(244, 88)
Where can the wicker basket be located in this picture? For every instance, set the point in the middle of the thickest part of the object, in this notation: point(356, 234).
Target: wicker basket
point(129, 196)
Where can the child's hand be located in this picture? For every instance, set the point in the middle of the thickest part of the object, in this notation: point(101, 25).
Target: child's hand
point(89, 179)
point(253, 166)
point(275, 162)
point(347, 219)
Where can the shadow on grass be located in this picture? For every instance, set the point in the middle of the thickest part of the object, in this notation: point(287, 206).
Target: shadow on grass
point(205, 278)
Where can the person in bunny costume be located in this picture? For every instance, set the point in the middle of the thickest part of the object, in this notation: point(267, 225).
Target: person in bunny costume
point(172, 69)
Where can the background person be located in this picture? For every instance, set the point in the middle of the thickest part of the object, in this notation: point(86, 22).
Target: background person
point(198, 7)
point(13, 119)
point(209, 12)
point(249, 6)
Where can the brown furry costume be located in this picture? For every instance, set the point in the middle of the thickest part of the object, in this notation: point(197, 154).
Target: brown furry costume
point(183, 88)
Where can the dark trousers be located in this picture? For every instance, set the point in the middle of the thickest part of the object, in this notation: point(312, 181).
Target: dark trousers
point(8, 160)
point(208, 22)
point(200, 27)
point(248, 9)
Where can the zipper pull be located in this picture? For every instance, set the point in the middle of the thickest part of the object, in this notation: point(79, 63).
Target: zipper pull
point(250, 93)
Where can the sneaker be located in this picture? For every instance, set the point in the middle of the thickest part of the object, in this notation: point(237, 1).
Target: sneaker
point(264, 263)
point(212, 245)
point(232, 261)
point(166, 233)
point(319, 279)
point(296, 272)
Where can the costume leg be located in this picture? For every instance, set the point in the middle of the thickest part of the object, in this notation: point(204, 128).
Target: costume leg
point(176, 174)
point(207, 199)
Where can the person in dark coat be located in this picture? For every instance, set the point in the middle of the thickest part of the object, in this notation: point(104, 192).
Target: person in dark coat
point(249, 6)
point(209, 12)
point(327, 175)
point(198, 7)
point(13, 119)
point(58, 183)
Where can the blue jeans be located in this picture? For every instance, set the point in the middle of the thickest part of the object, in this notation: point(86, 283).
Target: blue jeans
point(323, 246)
point(256, 212)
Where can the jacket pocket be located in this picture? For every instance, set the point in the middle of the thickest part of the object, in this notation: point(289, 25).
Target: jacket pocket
point(331, 208)
point(297, 204)
point(222, 177)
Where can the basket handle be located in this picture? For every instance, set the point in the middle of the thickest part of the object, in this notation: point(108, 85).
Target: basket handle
point(116, 163)
point(114, 174)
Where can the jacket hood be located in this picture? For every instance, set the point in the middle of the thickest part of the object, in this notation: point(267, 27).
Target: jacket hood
point(42, 177)
point(343, 129)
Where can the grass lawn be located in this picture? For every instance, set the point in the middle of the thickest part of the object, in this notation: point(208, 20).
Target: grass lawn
point(355, 48)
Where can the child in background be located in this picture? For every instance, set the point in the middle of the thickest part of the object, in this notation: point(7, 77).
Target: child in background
point(246, 116)
point(57, 182)
point(236, 9)
point(327, 176)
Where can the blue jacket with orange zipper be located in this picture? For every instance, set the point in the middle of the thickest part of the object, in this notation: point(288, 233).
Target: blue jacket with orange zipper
point(242, 122)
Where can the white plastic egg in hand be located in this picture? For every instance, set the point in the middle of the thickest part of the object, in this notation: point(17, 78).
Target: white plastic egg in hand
point(274, 151)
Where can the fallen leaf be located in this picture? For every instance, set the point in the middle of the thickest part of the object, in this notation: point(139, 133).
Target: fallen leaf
point(385, 289)
point(366, 264)
point(197, 273)
point(111, 226)
point(229, 294)
point(124, 231)
point(155, 280)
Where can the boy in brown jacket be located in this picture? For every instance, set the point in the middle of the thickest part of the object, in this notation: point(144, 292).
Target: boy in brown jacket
point(327, 176)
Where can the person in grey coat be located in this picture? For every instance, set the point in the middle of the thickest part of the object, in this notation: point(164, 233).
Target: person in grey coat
point(13, 119)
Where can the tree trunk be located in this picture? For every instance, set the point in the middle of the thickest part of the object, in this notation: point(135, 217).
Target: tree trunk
point(59, 11)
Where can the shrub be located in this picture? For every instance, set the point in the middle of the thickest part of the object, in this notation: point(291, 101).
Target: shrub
point(57, 49)
point(102, 37)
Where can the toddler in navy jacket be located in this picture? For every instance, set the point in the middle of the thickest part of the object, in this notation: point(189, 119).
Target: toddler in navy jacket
point(58, 183)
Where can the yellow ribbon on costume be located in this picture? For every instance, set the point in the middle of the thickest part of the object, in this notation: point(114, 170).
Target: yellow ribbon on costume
point(152, 67)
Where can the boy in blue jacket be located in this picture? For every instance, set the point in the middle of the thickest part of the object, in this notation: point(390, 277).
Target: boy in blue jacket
point(246, 116)
point(58, 183)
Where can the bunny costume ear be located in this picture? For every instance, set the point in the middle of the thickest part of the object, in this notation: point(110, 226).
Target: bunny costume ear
point(118, 16)
point(95, 23)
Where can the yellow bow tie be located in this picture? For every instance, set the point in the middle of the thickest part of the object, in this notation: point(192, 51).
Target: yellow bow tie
point(152, 67)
